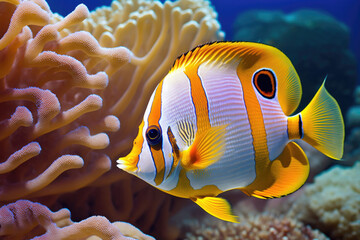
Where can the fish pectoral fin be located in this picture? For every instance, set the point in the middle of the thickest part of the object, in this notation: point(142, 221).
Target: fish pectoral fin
point(287, 173)
point(207, 148)
point(218, 207)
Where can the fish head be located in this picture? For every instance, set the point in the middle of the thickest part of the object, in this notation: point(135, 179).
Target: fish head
point(151, 154)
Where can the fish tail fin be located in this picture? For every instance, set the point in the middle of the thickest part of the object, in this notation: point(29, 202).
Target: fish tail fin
point(323, 124)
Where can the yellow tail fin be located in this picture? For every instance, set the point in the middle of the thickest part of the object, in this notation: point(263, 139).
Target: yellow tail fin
point(323, 124)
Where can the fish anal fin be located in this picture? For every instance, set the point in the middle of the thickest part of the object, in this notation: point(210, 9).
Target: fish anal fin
point(218, 207)
point(207, 148)
point(287, 173)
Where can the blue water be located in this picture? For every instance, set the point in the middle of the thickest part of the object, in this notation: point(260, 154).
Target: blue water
point(347, 11)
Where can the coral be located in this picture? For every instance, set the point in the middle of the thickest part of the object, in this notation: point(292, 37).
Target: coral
point(353, 114)
point(357, 95)
point(20, 218)
point(252, 227)
point(352, 147)
point(259, 219)
point(25, 219)
point(66, 84)
point(332, 203)
point(316, 43)
point(352, 143)
point(93, 228)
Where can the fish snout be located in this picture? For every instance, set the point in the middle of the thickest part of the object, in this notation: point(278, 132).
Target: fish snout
point(128, 163)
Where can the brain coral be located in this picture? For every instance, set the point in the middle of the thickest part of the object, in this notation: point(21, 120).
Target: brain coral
point(332, 203)
point(72, 92)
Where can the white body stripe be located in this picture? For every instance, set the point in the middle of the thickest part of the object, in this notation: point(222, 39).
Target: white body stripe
point(275, 123)
point(275, 126)
point(176, 106)
point(146, 167)
point(226, 107)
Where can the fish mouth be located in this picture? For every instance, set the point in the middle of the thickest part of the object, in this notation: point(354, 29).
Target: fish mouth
point(127, 164)
point(121, 163)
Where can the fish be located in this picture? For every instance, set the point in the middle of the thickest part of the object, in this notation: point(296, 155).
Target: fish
point(222, 119)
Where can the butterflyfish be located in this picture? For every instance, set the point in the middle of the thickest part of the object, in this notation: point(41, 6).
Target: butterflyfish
point(222, 119)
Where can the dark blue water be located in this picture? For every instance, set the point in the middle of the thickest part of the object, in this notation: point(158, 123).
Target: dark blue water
point(347, 11)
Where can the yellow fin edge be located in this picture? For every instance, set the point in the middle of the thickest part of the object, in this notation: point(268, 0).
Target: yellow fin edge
point(323, 124)
point(287, 173)
point(218, 207)
point(207, 148)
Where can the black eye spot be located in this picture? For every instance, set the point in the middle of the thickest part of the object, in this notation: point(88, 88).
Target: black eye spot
point(264, 81)
point(153, 135)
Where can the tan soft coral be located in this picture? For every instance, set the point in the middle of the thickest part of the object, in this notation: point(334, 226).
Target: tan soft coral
point(25, 219)
point(66, 84)
point(41, 119)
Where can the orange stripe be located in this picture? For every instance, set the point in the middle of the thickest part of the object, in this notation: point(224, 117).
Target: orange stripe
point(294, 127)
point(199, 98)
point(257, 126)
point(132, 159)
point(157, 151)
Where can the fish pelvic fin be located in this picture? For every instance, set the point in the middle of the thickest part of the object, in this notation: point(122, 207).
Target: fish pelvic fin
point(323, 124)
point(218, 207)
point(286, 174)
point(208, 147)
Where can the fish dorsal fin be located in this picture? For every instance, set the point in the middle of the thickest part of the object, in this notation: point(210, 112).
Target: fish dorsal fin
point(289, 94)
point(218, 207)
point(219, 52)
point(287, 173)
point(186, 132)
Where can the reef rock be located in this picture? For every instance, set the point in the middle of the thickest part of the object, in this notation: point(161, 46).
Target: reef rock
point(332, 203)
point(253, 226)
point(353, 114)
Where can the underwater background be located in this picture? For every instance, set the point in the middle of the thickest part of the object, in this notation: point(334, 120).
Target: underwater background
point(347, 11)
point(321, 38)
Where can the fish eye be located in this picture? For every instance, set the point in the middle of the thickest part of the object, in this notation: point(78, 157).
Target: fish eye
point(153, 135)
point(264, 81)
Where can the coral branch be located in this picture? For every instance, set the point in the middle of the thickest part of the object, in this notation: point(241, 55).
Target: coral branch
point(27, 13)
point(59, 166)
point(21, 117)
point(17, 158)
point(23, 217)
point(19, 218)
point(67, 84)
point(97, 225)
